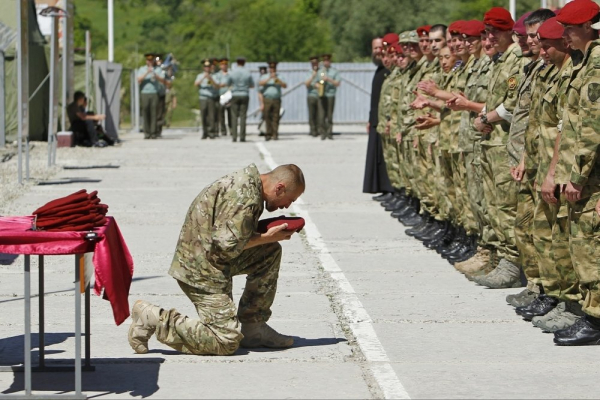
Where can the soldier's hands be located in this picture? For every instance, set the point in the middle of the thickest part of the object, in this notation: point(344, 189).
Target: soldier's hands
point(573, 192)
point(429, 149)
point(420, 102)
point(368, 127)
point(458, 103)
point(387, 128)
point(426, 122)
point(278, 233)
point(399, 138)
point(548, 188)
point(598, 207)
point(481, 127)
point(428, 87)
point(518, 172)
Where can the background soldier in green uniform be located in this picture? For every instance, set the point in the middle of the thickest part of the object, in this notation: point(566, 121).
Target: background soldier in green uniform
point(241, 83)
point(330, 78)
point(223, 79)
point(271, 93)
point(219, 240)
point(312, 96)
point(149, 78)
point(207, 89)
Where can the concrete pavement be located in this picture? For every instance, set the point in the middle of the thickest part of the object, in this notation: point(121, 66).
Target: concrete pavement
point(375, 313)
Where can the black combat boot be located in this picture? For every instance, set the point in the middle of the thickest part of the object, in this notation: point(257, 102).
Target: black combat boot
point(540, 306)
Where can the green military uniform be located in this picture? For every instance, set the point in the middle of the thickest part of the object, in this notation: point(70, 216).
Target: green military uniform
point(551, 223)
point(271, 91)
point(223, 110)
point(580, 132)
point(210, 251)
point(523, 129)
point(312, 100)
point(327, 102)
point(500, 189)
point(208, 94)
point(241, 83)
point(389, 97)
point(149, 91)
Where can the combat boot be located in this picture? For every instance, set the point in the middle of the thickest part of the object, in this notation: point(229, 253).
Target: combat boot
point(383, 197)
point(144, 318)
point(448, 233)
point(506, 275)
point(564, 315)
point(426, 220)
point(259, 334)
point(540, 306)
point(522, 299)
point(476, 263)
point(433, 227)
point(584, 332)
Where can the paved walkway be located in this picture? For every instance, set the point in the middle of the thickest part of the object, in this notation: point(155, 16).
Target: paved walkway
point(375, 314)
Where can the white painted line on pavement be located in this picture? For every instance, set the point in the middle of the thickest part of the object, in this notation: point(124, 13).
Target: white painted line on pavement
point(359, 320)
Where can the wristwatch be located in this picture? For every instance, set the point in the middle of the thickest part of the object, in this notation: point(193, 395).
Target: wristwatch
point(484, 119)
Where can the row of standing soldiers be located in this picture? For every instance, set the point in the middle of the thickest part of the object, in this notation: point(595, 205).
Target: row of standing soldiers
point(157, 95)
point(490, 132)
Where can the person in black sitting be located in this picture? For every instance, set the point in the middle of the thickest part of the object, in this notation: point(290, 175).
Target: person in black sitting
point(83, 124)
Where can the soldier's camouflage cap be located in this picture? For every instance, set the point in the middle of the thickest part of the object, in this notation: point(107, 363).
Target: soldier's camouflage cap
point(409, 37)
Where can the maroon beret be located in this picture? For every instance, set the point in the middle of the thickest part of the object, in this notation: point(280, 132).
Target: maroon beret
point(577, 12)
point(70, 199)
point(390, 38)
point(520, 24)
point(456, 27)
point(423, 31)
point(472, 28)
point(499, 18)
point(550, 29)
point(398, 48)
point(294, 223)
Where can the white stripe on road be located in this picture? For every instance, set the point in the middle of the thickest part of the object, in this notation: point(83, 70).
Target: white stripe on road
point(358, 319)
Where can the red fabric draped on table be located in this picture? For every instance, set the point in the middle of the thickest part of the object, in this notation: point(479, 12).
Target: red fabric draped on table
point(113, 264)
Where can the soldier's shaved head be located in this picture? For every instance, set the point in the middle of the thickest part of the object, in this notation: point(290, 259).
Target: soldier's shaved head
point(289, 174)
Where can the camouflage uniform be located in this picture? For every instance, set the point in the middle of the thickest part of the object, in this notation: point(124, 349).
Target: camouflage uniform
point(551, 226)
point(406, 122)
point(500, 189)
point(581, 123)
point(385, 110)
point(210, 251)
point(456, 154)
point(521, 132)
point(425, 162)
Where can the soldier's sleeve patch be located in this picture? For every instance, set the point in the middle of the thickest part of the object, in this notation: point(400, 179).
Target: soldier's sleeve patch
point(594, 92)
point(512, 83)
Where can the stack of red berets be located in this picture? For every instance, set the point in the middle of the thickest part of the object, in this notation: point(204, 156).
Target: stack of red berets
point(294, 223)
point(80, 211)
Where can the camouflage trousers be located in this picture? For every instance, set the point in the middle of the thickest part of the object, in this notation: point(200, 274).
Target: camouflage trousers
point(416, 165)
point(471, 188)
point(390, 156)
point(217, 329)
point(584, 243)
point(500, 193)
point(550, 236)
point(523, 229)
point(458, 178)
point(487, 235)
point(405, 160)
point(445, 186)
point(425, 166)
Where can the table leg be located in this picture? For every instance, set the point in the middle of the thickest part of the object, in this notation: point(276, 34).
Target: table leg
point(77, 326)
point(42, 345)
point(88, 328)
point(27, 295)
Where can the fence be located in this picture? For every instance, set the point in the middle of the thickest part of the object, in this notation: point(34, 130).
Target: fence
point(351, 104)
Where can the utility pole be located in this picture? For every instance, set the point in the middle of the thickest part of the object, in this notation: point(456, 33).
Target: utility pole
point(513, 9)
point(111, 31)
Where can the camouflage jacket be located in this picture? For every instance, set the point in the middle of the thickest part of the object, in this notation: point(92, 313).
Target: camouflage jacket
point(406, 114)
point(581, 118)
point(520, 120)
point(552, 105)
point(431, 71)
point(444, 132)
point(502, 90)
point(384, 101)
point(476, 91)
point(218, 225)
point(545, 79)
point(459, 84)
point(397, 85)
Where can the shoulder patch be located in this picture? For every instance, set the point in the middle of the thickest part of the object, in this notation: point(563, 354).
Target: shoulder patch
point(512, 83)
point(594, 91)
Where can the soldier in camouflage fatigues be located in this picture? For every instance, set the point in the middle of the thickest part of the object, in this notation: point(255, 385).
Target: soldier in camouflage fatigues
point(580, 131)
point(218, 240)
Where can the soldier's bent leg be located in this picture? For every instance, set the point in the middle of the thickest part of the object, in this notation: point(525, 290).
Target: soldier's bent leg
point(312, 103)
point(216, 331)
point(236, 104)
point(329, 116)
point(204, 118)
point(261, 264)
point(523, 230)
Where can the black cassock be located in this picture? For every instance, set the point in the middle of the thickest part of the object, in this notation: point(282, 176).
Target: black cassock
point(376, 178)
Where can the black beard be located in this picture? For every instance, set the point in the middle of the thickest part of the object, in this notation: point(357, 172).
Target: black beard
point(376, 60)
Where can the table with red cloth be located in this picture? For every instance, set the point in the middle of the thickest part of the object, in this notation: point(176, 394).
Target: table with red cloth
point(113, 271)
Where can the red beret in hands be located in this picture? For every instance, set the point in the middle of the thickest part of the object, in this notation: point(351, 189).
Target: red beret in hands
point(294, 223)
